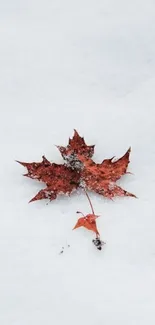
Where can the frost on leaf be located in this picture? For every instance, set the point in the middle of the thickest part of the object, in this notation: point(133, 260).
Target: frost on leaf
point(75, 147)
point(78, 171)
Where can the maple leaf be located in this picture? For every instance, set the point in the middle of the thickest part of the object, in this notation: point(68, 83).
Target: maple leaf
point(78, 171)
point(88, 222)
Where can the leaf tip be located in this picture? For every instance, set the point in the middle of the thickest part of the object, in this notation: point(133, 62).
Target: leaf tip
point(32, 200)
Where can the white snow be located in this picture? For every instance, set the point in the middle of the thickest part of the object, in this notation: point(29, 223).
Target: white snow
point(88, 65)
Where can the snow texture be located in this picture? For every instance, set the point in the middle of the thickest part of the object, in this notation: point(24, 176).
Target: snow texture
point(88, 65)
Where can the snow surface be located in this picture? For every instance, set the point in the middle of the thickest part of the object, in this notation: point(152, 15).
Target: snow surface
point(88, 65)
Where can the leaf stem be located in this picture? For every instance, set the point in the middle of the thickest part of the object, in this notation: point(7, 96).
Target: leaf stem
point(89, 201)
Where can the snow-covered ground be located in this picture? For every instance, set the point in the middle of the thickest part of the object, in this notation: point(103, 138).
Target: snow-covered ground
point(88, 65)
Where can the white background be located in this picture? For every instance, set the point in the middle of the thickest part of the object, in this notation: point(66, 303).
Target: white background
point(88, 65)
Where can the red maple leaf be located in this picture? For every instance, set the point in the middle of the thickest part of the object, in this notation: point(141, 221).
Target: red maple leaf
point(78, 171)
point(88, 222)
